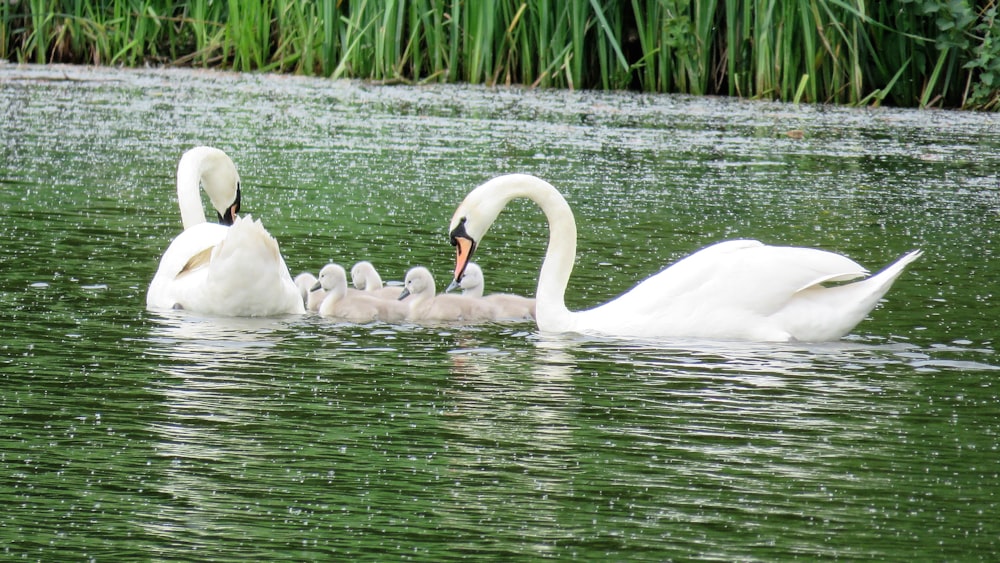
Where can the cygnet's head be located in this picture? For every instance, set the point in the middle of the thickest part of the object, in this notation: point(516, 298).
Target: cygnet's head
point(305, 282)
point(418, 281)
point(331, 277)
point(472, 279)
point(364, 276)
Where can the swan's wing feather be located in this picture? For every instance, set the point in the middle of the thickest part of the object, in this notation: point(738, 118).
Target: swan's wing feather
point(199, 260)
point(740, 275)
point(189, 242)
point(685, 275)
point(234, 271)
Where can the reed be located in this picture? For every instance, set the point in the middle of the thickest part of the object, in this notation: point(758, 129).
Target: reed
point(901, 52)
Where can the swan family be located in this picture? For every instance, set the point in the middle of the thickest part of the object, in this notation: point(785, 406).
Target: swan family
point(735, 289)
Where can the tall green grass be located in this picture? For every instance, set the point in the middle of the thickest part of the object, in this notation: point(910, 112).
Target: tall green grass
point(943, 53)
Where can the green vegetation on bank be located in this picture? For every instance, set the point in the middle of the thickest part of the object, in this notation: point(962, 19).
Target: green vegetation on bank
point(927, 53)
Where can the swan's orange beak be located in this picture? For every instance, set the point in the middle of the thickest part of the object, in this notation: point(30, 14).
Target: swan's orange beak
point(464, 247)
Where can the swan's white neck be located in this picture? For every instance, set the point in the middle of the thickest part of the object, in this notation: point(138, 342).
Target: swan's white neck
point(188, 192)
point(213, 170)
point(560, 254)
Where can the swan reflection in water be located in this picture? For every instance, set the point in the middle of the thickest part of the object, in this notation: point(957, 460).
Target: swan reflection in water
point(673, 430)
point(215, 387)
point(212, 342)
point(513, 446)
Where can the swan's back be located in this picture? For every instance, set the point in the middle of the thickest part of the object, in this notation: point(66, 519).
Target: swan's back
point(241, 274)
point(747, 290)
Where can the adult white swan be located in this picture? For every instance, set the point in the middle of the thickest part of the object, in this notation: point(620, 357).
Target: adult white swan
point(738, 289)
point(215, 269)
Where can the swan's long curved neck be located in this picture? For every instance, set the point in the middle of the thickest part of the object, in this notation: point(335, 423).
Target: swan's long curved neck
point(560, 254)
point(188, 193)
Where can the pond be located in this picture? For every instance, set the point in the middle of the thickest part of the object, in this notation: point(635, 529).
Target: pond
point(127, 434)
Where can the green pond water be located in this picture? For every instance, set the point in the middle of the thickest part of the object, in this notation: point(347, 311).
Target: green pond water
point(130, 435)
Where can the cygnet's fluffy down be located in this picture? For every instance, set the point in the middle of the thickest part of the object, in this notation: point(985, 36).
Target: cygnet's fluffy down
point(425, 305)
point(509, 307)
point(310, 298)
point(366, 278)
point(354, 306)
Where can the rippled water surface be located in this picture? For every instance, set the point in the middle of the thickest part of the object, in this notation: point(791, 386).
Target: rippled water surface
point(131, 435)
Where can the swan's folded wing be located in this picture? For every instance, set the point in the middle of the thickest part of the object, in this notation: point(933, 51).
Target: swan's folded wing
point(200, 260)
point(176, 257)
point(795, 269)
point(742, 275)
point(684, 276)
point(188, 244)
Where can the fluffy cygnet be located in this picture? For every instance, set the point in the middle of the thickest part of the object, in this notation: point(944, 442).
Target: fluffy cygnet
point(509, 307)
point(354, 306)
point(425, 306)
point(310, 298)
point(366, 278)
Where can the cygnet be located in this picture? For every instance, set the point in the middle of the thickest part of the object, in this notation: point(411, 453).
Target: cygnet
point(354, 306)
point(425, 306)
point(310, 298)
point(509, 307)
point(366, 278)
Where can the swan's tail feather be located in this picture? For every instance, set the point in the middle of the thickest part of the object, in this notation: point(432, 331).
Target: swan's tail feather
point(828, 313)
point(877, 285)
point(892, 271)
point(247, 271)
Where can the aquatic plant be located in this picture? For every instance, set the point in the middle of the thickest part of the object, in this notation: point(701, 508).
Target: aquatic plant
point(905, 52)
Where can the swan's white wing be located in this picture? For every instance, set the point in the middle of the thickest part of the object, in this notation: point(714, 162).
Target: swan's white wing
point(729, 284)
point(189, 243)
point(743, 272)
point(245, 275)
